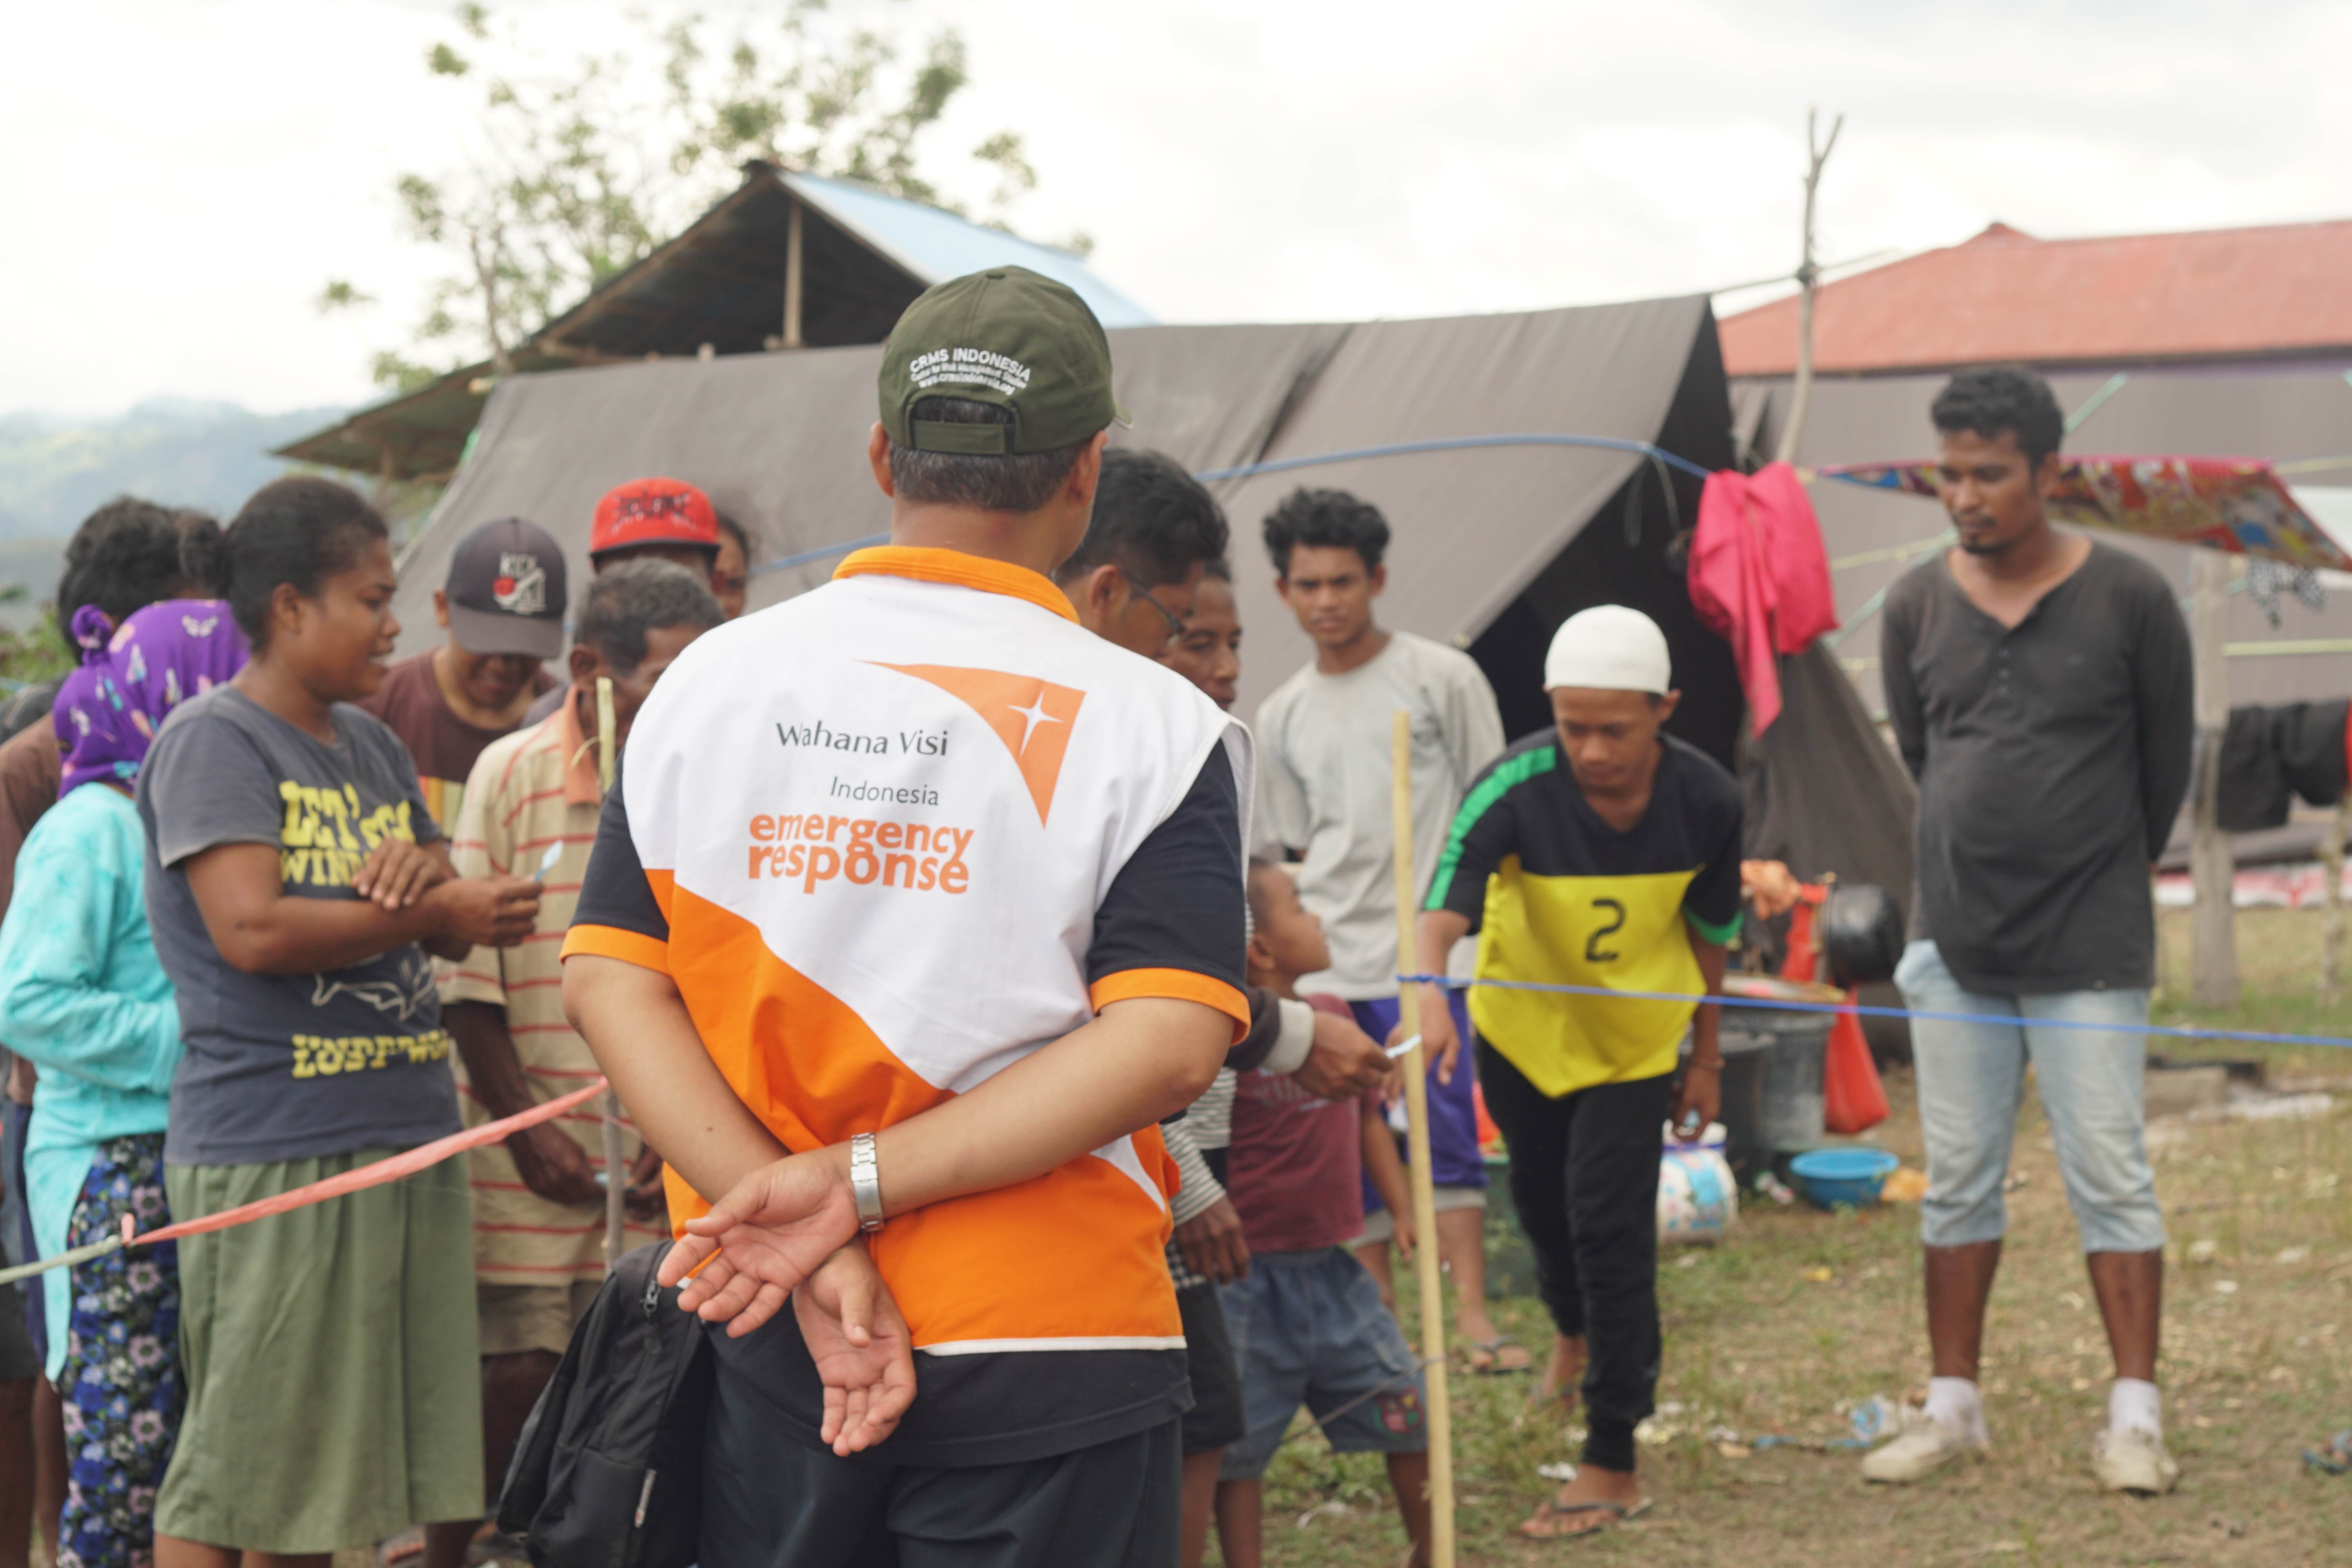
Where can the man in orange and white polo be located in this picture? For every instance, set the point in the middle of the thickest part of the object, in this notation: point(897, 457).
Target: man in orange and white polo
point(916, 909)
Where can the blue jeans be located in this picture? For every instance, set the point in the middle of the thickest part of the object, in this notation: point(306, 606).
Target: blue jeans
point(1308, 1329)
point(1972, 1080)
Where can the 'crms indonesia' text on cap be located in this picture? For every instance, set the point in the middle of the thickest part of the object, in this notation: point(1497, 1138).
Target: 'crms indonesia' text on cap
point(506, 590)
point(1008, 337)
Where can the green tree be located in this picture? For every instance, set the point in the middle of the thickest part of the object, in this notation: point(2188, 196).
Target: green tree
point(578, 169)
point(35, 653)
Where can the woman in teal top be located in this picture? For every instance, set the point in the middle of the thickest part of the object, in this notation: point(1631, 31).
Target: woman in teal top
point(83, 995)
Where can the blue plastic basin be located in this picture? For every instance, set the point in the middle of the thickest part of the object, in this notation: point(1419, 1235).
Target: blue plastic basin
point(1829, 1177)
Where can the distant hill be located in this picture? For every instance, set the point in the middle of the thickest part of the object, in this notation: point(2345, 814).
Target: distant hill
point(54, 471)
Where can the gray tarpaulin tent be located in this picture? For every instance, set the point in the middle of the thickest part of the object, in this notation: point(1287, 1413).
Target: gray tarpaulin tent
point(1492, 547)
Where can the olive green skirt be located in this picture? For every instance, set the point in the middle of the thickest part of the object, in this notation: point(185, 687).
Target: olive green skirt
point(332, 1361)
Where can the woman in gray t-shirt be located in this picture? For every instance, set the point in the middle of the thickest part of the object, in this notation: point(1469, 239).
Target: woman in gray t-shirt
point(294, 883)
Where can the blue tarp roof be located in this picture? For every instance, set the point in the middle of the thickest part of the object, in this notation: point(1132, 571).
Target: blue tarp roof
point(935, 244)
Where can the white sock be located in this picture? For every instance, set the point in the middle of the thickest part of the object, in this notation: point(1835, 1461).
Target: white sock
point(1954, 1402)
point(2134, 1403)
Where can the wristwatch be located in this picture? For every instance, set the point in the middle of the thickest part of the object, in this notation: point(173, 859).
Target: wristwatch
point(866, 1182)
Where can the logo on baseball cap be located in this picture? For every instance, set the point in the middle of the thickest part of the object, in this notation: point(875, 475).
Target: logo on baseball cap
point(506, 590)
point(1009, 337)
point(653, 512)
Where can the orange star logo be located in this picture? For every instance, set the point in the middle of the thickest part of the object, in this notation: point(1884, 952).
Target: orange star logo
point(1031, 716)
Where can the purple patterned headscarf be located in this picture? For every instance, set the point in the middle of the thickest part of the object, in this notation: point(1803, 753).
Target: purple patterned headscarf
point(132, 676)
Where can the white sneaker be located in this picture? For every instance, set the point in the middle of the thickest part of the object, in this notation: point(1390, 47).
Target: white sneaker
point(2133, 1460)
point(1921, 1447)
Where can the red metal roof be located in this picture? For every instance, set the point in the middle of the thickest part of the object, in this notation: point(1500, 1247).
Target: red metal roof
point(2005, 296)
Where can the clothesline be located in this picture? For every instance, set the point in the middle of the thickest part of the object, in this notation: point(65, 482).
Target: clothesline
point(1356, 454)
point(433, 1153)
point(2169, 1031)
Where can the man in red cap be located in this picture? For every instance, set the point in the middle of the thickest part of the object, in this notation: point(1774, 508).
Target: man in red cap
point(650, 519)
point(667, 520)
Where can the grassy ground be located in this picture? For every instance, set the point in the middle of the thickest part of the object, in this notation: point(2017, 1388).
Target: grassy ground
point(2278, 963)
point(2257, 1365)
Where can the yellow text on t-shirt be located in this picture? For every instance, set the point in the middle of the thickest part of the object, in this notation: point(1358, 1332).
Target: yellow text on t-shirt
point(326, 837)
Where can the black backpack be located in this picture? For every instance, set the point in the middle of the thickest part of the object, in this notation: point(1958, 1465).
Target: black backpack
point(608, 1470)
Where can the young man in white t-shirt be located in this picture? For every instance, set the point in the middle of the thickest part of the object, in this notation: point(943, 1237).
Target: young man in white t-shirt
point(1324, 792)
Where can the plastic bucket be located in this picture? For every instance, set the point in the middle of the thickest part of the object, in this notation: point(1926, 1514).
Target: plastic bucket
point(1742, 1108)
point(1848, 1176)
point(1793, 1047)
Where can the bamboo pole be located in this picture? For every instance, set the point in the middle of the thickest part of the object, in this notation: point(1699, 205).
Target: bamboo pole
point(617, 1168)
point(2213, 919)
point(1425, 1191)
point(2331, 925)
point(795, 280)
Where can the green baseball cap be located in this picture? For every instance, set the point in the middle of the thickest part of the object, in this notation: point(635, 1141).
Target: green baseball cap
point(1009, 337)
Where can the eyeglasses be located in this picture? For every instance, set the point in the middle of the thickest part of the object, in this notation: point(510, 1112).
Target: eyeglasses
point(1143, 591)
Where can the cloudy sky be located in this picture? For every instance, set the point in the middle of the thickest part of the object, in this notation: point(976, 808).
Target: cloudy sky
point(180, 176)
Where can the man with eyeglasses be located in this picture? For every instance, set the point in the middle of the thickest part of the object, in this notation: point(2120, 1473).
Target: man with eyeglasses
point(1155, 534)
point(1133, 575)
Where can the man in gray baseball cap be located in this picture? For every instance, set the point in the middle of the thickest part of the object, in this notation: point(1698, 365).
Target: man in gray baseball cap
point(502, 606)
point(505, 590)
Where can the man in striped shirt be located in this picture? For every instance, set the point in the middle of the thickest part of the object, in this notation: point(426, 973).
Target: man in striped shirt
point(538, 1207)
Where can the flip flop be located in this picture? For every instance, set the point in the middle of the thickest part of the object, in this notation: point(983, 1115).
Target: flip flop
point(1486, 1356)
point(1607, 1516)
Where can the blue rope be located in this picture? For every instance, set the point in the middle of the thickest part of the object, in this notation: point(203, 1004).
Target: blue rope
point(1284, 465)
point(1457, 444)
point(822, 553)
point(2171, 1031)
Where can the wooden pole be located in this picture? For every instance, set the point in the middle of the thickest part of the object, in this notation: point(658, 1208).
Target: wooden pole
point(617, 1167)
point(2213, 920)
point(2331, 925)
point(1425, 1191)
point(1809, 276)
point(793, 276)
point(380, 495)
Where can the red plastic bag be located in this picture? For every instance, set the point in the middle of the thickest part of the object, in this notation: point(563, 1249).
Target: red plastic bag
point(1804, 959)
point(1853, 1100)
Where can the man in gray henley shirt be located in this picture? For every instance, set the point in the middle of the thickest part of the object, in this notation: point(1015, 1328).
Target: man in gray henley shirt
point(2039, 688)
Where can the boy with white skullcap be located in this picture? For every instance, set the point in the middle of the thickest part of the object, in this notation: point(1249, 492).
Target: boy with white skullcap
point(1600, 852)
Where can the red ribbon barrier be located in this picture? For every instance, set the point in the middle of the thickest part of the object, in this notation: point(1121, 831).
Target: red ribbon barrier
point(422, 1157)
point(406, 1163)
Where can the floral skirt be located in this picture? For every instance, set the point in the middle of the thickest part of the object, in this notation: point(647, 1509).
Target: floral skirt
point(120, 1385)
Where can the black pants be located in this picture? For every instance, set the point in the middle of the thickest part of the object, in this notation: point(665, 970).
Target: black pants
point(1584, 1179)
point(771, 1500)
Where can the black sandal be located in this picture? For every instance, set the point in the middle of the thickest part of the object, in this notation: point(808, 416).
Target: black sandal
point(1614, 1513)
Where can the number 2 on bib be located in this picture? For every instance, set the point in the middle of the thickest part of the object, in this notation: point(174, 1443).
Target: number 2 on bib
point(1594, 951)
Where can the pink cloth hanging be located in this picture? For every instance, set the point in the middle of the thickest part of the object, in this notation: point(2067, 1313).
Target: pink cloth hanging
point(1759, 577)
